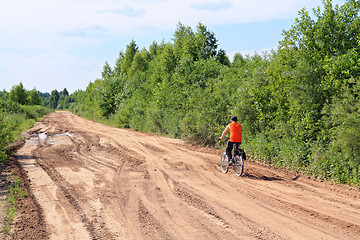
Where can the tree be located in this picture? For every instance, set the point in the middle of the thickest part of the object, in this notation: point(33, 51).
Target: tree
point(65, 92)
point(222, 58)
point(345, 123)
point(34, 97)
point(64, 100)
point(107, 72)
point(333, 33)
point(140, 62)
point(119, 60)
point(154, 50)
point(313, 64)
point(53, 100)
point(18, 94)
point(184, 43)
point(4, 95)
point(130, 52)
point(206, 42)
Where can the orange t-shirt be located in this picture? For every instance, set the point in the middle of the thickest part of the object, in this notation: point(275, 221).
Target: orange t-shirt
point(235, 132)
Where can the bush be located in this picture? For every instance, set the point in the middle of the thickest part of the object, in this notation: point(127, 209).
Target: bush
point(34, 112)
point(262, 148)
point(154, 119)
point(5, 136)
point(198, 129)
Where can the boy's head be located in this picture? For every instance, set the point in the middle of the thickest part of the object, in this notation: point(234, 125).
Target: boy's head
point(234, 118)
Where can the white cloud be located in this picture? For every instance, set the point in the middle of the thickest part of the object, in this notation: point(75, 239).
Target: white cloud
point(212, 6)
point(92, 31)
point(43, 39)
point(41, 16)
point(126, 11)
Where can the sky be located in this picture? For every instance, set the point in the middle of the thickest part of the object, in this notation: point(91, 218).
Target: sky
point(61, 44)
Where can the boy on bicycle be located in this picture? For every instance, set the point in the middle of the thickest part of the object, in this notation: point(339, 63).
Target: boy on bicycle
point(235, 135)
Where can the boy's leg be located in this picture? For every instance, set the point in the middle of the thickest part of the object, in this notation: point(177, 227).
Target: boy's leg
point(229, 149)
point(236, 146)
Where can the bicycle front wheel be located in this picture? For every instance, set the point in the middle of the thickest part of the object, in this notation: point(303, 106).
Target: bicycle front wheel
point(224, 164)
point(239, 165)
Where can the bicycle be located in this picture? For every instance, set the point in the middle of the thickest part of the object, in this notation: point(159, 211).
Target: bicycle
point(237, 161)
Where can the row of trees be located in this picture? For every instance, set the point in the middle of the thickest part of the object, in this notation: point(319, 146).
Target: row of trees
point(299, 105)
point(20, 108)
point(149, 90)
point(19, 95)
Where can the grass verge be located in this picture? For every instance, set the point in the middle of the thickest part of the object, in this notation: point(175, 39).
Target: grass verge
point(11, 205)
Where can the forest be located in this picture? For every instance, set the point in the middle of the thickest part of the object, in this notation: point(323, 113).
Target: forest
point(298, 105)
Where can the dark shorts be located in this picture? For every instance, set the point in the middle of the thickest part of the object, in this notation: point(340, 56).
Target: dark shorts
point(229, 148)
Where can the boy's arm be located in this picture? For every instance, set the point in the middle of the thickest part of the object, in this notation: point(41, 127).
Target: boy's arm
point(225, 131)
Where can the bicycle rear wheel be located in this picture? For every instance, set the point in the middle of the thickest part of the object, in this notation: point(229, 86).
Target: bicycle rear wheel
point(239, 165)
point(224, 164)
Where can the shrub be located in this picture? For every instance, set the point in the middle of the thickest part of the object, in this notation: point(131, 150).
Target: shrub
point(5, 136)
point(34, 112)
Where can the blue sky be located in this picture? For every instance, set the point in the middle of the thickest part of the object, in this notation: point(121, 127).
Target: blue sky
point(65, 43)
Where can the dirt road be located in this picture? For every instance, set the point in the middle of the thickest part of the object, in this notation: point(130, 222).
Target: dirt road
point(98, 182)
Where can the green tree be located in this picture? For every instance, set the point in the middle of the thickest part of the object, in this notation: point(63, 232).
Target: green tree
point(65, 92)
point(198, 45)
point(222, 58)
point(53, 100)
point(139, 63)
point(206, 42)
point(342, 119)
point(4, 95)
point(119, 60)
point(18, 94)
point(323, 42)
point(108, 95)
point(154, 50)
point(33, 97)
point(184, 43)
point(64, 100)
point(107, 72)
point(130, 52)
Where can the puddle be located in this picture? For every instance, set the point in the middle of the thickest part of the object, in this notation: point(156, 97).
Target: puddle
point(60, 138)
point(42, 138)
point(63, 134)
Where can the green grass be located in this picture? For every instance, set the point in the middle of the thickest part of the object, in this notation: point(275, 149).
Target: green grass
point(11, 206)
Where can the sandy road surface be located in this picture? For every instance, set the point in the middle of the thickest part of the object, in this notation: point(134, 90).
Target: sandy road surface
point(98, 182)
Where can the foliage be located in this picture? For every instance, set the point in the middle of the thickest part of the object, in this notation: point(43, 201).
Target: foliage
point(5, 136)
point(64, 100)
point(18, 94)
point(33, 112)
point(33, 97)
point(54, 98)
point(20, 109)
point(298, 105)
point(16, 193)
